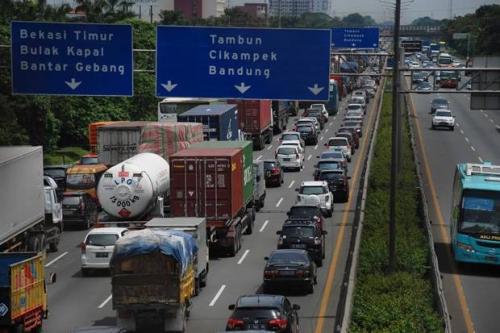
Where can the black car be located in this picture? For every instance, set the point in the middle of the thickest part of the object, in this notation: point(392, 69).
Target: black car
point(338, 183)
point(58, 173)
point(79, 209)
point(264, 313)
point(289, 267)
point(306, 211)
point(308, 134)
point(439, 103)
point(273, 173)
point(326, 164)
point(304, 234)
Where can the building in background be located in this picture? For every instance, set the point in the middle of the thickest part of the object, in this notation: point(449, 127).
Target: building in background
point(321, 6)
point(149, 10)
point(258, 10)
point(292, 8)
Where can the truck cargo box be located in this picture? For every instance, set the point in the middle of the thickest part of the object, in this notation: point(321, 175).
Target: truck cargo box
point(119, 141)
point(254, 116)
point(167, 138)
point(207, 183)
point(22, 201)
point(247, 180)
point(22, 287)
point(92, 133)
point(220, 121)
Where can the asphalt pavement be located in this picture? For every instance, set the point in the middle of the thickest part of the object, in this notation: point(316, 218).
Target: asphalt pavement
point(76, 301)
point(473, 292)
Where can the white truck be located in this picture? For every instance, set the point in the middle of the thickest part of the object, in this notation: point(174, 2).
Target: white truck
point(136, 188)
point(197, 228)
point(31, 216)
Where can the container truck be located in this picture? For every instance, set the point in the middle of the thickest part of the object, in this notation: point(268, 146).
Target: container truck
point(255, 120)
point(92, 133)
point(25, 226)
point(136, 188)
point(170, 107)
point(280, 115)
point(153, 280)
point(23, 296)
point(197, 228)
point(220, 121)
point(210, 183)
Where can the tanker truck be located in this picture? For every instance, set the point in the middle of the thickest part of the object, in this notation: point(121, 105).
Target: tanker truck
point(136, 189)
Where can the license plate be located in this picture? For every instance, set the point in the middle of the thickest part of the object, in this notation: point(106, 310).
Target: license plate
point(491, 258)
point(287, 159)
point(101, 254)
point(287, 273)
point(299, 246)
point(256, 326)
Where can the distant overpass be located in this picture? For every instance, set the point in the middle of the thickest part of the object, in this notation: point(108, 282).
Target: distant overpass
point(413, 31)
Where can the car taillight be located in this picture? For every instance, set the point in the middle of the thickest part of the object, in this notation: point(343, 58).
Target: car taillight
point(302, 272)
point(270, 274)
point(280, 241)
point(317, 241)
point(275, 171)
point(83, 247)
point(235, 323)
point(278, 323)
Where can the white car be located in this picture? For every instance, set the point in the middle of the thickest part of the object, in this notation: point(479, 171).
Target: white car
point(294, 143)
point(322, 108)
point(443, 118)
point(342, 143)
point(98, 246)
point(289, 135)
point(308, 120)
point(355, 108)
point(361, 93)
point(358, 100)
point(290, 157)
point(318, 189)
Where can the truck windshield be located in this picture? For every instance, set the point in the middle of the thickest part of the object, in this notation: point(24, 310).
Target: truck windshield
point(480, 213)
point(80, 181)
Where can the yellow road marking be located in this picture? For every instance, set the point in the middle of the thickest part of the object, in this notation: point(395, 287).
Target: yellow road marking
point(325, 299)
point(442, 229)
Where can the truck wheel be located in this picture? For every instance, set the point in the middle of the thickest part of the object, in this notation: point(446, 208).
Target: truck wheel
point(197, 286)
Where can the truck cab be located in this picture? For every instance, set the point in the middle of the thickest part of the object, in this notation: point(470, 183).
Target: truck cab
point(84, 177)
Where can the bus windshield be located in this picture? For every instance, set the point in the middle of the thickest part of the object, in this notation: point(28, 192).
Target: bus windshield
point(480, 213)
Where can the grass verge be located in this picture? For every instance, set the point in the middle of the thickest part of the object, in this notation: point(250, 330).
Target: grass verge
point(401, 301)
point(66, 155)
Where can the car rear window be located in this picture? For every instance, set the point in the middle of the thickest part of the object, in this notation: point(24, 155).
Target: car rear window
point(71, 201)
point(310, 190)
point(303, 211)
point(337, 142)
point(295, 231)
point(269, 165)
point(328, 165)
point(330, 175)
point(353, 107)
point(285, 137)
point(351, 123)
point(443, 114)
point(249, 313)
point(101, 239)
point(305, 129)
point(287, 151)
point(288, 258)
point(332, 154)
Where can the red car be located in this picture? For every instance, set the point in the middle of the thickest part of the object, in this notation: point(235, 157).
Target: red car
point(273, 173)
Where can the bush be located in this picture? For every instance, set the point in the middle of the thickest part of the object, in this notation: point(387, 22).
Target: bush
point(401, 301)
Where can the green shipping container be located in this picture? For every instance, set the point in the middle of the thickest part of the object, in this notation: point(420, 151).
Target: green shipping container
point(247, 147)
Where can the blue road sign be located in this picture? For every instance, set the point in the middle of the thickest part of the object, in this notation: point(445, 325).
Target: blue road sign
point(242, 63)
point(71, 59)
point(361, 38)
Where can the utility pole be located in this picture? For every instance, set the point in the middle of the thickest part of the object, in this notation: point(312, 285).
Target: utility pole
point(394, 138)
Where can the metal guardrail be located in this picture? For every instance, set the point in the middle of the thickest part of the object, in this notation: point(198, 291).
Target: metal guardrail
point(437, 283)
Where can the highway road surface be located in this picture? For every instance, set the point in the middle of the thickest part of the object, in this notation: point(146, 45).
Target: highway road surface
point(472, 293)
point(76, 301)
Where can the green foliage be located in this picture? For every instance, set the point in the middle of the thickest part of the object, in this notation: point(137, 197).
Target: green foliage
point(357, 20)
point(425, 21)
point(401, 301)
point(66, 155)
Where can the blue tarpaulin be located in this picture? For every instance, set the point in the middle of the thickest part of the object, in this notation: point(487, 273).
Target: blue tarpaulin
point(177, 244)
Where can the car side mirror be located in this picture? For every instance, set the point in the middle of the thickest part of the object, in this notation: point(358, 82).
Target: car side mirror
point(324, 232)
point(266, 258)
point(231, 306)
point(296, 307)
point(278, 232)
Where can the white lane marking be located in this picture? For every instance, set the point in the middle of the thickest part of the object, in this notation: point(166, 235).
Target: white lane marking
point(259, 157)
point(321, 138)
point(243, 257)
point(480, 159)
point(491, 121)
point(461, 131)
point(458, 125)
point(467, 139)
point(279, 202)
point(264, 225)
point(472, 147)
point(326, 131)
point(486, 115)
point(270, 147)
point(309, 157)
point(103, 304)
point(291, 184)
point(216, 297)
point(481, 111)
point(316, 147)
point(55, 259)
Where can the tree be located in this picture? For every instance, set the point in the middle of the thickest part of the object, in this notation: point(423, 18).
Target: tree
point(426, 21)
point(357, 20)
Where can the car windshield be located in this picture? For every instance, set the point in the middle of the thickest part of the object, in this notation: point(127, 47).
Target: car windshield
point(55, 173)
point(337, 142)
point(443, 114)
point(312, 190)
point(328, 165)
point(286, 151)
point(269, 165)
point(285, 137)
point(303, 211)
point(283, 258)
point(298, 231)
point(249, 313)
point(71, 201)
point(101, 239)
point(480, 213)
point(304, 129)
point(332, 154)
